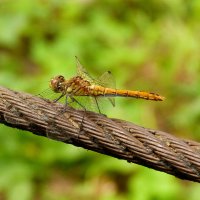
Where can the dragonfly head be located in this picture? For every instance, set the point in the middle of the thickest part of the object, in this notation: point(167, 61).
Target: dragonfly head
point(56, 84)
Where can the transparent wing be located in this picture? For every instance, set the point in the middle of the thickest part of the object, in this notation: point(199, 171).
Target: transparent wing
point(107, 80)
point(82, 72)
point(84, 103)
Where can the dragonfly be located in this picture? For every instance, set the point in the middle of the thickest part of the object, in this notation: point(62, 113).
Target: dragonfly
point(84, 85)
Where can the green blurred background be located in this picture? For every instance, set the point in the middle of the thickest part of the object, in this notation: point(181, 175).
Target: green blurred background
point(151, 46)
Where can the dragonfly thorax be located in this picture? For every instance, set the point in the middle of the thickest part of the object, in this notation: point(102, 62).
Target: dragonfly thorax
point(75, 86)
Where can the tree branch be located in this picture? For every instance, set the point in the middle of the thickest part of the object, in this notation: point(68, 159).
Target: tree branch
point(120, 139)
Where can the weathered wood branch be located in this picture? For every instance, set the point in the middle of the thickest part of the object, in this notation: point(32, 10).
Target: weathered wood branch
point(120, 139)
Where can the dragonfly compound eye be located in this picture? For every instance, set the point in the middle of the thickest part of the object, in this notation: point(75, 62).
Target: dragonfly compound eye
point(61, 78)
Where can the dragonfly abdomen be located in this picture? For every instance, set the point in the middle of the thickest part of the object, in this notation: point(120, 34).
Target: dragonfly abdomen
point(109, 92)
point(139, 94)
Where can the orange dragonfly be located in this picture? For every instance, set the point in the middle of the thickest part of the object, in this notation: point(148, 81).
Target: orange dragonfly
point(84, 85)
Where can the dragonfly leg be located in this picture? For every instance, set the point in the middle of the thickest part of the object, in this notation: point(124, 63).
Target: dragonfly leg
point(74, 100)
point(56, 100)
point(66, 100)
point(81, 124)
point(97, 105)
point(66, 103)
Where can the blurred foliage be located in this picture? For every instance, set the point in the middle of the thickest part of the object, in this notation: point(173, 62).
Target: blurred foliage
point(148, 46)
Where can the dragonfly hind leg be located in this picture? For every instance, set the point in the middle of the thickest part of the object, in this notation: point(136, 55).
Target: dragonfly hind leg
point(97, 105)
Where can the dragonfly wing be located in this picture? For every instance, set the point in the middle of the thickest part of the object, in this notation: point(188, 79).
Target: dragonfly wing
point(107, 80)
point(85, 103)
point(82, 72)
